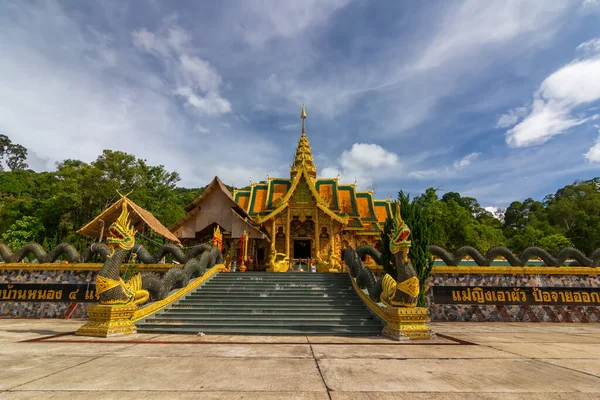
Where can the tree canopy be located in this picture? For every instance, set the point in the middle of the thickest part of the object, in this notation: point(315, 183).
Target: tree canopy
point(49, 207)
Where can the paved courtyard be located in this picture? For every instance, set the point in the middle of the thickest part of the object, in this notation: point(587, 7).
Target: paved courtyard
point(41, 359)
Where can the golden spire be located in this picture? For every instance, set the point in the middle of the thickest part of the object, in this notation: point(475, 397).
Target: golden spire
point(303, 152)
point(303, 116)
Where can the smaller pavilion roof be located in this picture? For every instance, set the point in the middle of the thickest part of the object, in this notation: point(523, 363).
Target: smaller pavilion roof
point(139, 218)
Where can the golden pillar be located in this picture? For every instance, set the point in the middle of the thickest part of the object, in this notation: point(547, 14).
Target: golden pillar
point(317, 236)
point(288, 234)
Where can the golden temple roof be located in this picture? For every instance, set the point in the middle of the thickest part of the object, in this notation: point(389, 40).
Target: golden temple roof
point(358, 211)
point(303, 153)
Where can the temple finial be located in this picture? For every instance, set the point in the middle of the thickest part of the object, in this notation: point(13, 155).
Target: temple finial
point(303, 153)
point(303, 116)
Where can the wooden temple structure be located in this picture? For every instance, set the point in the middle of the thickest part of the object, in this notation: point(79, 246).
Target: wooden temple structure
point(302, 219)
point(140, 219)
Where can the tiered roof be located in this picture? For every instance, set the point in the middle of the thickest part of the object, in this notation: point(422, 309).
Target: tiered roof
point(358, 211)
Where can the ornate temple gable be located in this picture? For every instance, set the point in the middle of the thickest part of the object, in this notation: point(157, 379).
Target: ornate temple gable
point(302, 195)
point(242, 198)
point(383, 211)
point(278, 187)
point(347, 200)
point(366, 209)
point(303, 175)
point(258, 198)
point(328, 191)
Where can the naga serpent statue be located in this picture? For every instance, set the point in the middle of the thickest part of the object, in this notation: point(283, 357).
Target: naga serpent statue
point(121, 241)
point(401, 291)
point(121, 245)
point(109, 285)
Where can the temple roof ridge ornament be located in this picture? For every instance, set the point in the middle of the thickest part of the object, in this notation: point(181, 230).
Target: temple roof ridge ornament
point(303, 156)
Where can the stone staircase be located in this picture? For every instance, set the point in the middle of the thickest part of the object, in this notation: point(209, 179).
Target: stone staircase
point(268, 304)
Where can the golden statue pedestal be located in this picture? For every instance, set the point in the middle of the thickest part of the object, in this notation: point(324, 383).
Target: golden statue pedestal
point(107, 320)
point(404, 323)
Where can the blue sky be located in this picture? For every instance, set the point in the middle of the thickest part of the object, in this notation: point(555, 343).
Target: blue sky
point(499, 100)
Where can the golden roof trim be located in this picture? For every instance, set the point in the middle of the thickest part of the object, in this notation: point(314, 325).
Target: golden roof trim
point(311, 185)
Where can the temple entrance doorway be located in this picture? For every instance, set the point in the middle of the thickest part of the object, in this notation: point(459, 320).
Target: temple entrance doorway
point(302, 249)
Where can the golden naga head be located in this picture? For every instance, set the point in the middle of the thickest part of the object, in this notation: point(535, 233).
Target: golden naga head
point(399, 237)
point(120, 233)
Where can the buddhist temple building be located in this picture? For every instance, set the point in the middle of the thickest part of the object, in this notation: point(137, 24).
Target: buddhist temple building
point(302, 218)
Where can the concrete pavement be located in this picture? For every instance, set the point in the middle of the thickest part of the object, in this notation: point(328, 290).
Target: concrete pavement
point(465, 361)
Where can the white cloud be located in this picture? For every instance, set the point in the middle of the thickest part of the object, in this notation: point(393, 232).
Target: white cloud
point(266, 20)
point(593, 154)
point(202, 129)
point(466, 160)
point(445, 171)
point(365, 155)
point(363, 162)
point(574, 85)
point(406, 81)
point(590, 48)
point(194, 79)
point(175, 40)
point(466, 27)
point(64, 101)
point(511, 117)
point(210, 104)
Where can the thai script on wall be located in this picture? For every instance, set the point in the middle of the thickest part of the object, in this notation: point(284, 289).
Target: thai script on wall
point(516, 295)
point(48, 292)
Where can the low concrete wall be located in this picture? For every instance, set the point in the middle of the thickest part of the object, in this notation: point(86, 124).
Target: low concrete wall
point(56, 274)
point(547, 277)
point(30, 309)
point(467, 277)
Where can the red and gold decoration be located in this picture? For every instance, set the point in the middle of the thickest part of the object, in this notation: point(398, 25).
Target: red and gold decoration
point(218, 238)
point(243, 251)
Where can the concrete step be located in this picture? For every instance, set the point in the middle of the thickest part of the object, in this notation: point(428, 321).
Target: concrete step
point(193, 313)
point(258, 319)
point(289, 331)
point(273, 324)
point(269, 303)
point(280, 278)
point(272, 294)
point(271, 307)
point(266, 302)
point(288, 292)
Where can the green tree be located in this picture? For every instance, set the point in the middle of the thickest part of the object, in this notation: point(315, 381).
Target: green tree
point(554, 243)
point(14, 155)
point(25, 230)
point(419, 254)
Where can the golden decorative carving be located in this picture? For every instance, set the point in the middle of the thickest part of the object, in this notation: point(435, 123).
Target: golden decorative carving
point(407, 323)
point(401, 323)
point(281, 265)
point(120, 233)
point(410, 286)
point(109, 320)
